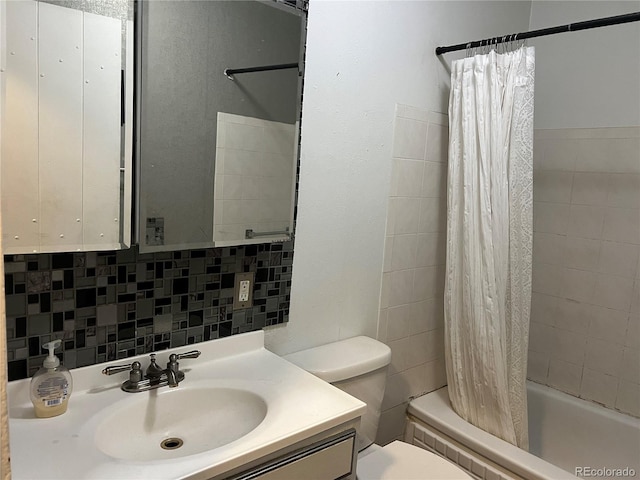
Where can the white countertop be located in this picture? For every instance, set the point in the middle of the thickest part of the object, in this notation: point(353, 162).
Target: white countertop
point(299, 405)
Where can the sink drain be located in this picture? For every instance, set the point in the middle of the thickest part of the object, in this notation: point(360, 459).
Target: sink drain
point(171, 443)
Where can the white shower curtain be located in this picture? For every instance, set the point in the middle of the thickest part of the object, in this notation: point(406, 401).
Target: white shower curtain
point(489, 231)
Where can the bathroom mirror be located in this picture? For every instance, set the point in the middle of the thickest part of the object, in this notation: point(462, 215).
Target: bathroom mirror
point(217, 151)
point(67, 103)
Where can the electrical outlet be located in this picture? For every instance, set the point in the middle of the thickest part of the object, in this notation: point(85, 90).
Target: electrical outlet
point(243, 296)
point(243, 291)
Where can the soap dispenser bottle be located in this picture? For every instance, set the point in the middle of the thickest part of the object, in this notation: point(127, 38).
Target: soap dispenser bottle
point(51, 385)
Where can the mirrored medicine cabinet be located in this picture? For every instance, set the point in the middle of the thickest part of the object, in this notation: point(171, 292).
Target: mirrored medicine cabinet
point(66, 88)
point(220, 85)
point(214, 131)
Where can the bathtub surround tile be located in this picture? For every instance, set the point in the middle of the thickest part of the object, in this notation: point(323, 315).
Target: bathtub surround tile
point(406, 213)
point(589, 286)
point(557, 154)
point(613, 292)
point(547, 278)
point(568, 346)
point(388, 251)
point(586, 221)
point(415, 379)
point(409, 139)
point(403, 253)
point(435, 375)
point(552, 186)
point(628, 398)
point(398, 322)
point(112, 305)
point(603, 356)
point(396, 391)
point(607, 324)
point(617, 155)
point(538, 366)
point(599, 387)
point(580, 253)
point(542, 338)
point(544, 308)
point(633, 331)
point(630, 367)
point(618, 259)
point(431, 250)
point(623, 190)
point(401, 287)
point(574, 316)
point(589, 188)
point(437, 142)
point(391, 424)
point(428, 345)
point(428, 283)
point(565, 376)
point(635, 297)
point(382, 330)
point(550, 248)
point(578, 285)
point(413, 113)
point(411, 299)
point(399, 355)
point(385, 289)
point(433, 215)
point(408, 175)
point(551, 217)
point(434, 182)
point(622, 225)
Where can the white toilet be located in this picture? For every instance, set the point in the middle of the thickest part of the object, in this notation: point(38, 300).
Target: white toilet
point(358, 366)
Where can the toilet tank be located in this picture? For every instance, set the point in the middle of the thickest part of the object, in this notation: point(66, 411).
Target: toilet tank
point(357, 366)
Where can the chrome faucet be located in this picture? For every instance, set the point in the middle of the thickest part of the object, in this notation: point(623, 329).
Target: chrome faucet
point(155, 377)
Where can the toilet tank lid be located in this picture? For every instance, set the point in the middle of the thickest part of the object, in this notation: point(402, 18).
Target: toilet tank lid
point(343, 359)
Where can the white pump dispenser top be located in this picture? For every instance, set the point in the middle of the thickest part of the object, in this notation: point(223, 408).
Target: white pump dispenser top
point(52, 360)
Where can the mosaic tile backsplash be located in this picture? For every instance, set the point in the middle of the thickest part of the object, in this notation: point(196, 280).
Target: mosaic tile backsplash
point(110, 305)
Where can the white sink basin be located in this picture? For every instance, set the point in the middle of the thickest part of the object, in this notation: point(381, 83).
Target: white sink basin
point(176, 422)
point(238, 404)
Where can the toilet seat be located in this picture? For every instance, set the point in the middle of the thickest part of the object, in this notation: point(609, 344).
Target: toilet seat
point(401, 461)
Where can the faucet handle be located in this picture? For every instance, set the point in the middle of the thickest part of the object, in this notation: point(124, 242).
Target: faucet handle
point(191, 354)
point(121, 368)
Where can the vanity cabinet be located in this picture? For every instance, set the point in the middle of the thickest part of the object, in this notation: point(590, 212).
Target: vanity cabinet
point(328, 459)
point(66, 90)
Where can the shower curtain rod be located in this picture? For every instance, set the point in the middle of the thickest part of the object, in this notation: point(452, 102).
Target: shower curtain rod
point(571, 27)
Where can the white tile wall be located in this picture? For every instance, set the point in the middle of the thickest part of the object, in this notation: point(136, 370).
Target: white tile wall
point(253, 176)
point(411, 305)
point(585, 327)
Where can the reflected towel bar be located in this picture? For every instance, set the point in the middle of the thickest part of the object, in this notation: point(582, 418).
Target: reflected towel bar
point(229, 72)
point(249, 233)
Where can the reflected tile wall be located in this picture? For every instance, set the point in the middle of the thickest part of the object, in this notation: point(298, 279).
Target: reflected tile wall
point(110, 305)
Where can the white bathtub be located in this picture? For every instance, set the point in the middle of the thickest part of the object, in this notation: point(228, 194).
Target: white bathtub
point(565, 433)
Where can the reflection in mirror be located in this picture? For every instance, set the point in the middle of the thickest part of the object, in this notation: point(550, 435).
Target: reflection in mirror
point(210, 146)
point(254, 179)
point(66, 125)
